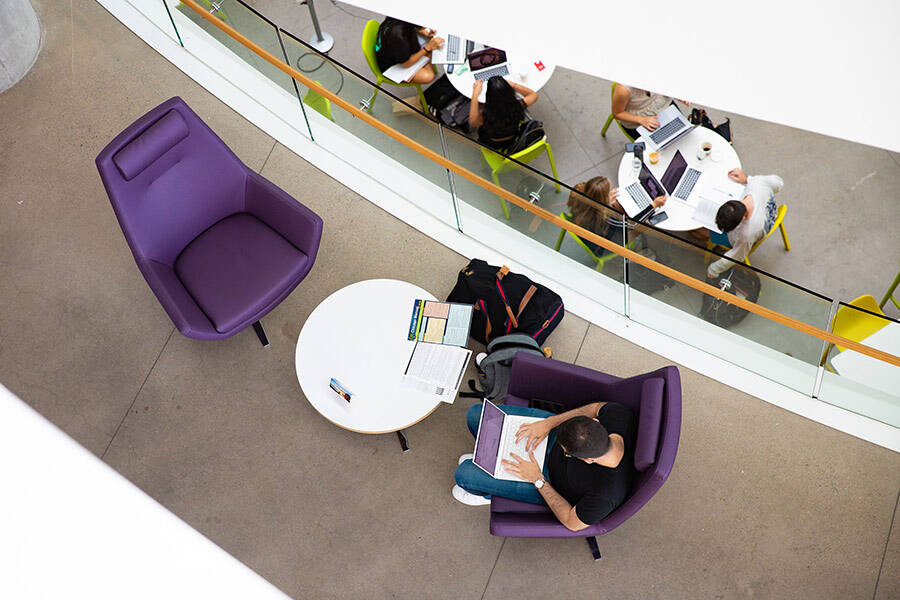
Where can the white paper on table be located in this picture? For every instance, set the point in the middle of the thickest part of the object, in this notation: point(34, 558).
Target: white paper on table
point(436, 369)
point(711, 197)
point(400, 74)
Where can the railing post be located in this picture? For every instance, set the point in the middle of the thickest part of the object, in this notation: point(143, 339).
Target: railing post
point(626, 288)
point(169, 12)
point(826, 346)
point(449, 177)
point(294, 81)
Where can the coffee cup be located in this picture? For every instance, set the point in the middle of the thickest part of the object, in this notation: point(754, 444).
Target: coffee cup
point(704, 150)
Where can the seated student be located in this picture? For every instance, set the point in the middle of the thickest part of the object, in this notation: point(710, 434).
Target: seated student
point(588, 469)
point(747, 220)
point(633, 106)
point(588, 215)
point(398, 43)
point(499, 118)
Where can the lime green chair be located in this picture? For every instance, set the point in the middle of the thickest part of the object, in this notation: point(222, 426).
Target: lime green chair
point(778, 224)
point(500, 164)
point(612, 91)
point(369, 37)
point(318, 103)
point(213, 7)
point(890, 293)
point(599, 261)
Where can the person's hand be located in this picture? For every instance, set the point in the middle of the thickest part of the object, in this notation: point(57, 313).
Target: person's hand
point(614, 198)
point(650, 123)
point(534, 433)
point(434, 43)
point(685, 102)
point(524, 468)
point(659, 201)
point(476, 87)
point(427, 32)
point(737, 175)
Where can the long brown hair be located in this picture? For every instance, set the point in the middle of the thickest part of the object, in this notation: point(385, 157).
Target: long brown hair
point(585, 213)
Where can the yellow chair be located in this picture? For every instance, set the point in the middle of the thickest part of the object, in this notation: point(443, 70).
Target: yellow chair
point(369, 37)
point(778, 224)
point(599, 261)
point(318, 103)
point(612, 91)
point(890, 293)
point(857, 325)
point(501, 164)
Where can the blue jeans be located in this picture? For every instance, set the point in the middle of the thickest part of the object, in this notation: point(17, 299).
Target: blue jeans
point(475, 481)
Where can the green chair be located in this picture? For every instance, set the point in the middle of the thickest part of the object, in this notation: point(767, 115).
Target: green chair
point(501, 164)
point(612, 91)
point(599, 261)
point(890, 293)
point(213, 8)
point(369, 37)
point(318, 103)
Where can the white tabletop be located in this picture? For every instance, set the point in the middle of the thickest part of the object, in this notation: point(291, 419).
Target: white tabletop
point(716, 166)
point(871, 371)
point(358, 336)
point(522, 70)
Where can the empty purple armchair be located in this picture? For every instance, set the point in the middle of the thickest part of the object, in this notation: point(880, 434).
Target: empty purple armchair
point(219, 245)
point(654, 397)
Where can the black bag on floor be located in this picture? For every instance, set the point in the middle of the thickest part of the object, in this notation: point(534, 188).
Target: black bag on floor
point(506, 302)
point(493, 372)
point(448, 106)
point(743, 283)
point(440, 93)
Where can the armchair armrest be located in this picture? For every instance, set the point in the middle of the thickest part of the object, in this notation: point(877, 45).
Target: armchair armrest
point(283, 213)
point(176, 301)
point(534, 377)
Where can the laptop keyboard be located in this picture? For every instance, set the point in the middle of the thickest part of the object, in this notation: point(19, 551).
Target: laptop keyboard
point(665, 131)
point(639, 195)
point(500, 71)
point(687, 184)
point(452, 48)
point(510, 447)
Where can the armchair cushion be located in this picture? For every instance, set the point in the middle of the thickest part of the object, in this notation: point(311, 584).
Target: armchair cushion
point(151, 144)
point(649, 421)
point(237, 267)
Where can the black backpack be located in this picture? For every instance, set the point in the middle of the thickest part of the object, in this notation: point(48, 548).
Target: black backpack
point(743, 283)
point(493, 372)
point(506, 302)
point(530, 132)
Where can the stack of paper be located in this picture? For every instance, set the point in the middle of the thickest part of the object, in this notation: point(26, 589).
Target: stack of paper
point(400, 74)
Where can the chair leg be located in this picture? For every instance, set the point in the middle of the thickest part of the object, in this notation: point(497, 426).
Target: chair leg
point(605, 127)
point(595, 549)
point(422, 100)
point(553, 166)
point(562, 234)
point(261, 334)
point(784, 237)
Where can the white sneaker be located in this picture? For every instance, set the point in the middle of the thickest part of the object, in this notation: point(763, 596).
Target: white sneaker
point(469, 499)
point(464, 457)
point(479, 357)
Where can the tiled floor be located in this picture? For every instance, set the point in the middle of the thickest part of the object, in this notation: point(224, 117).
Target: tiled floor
point(761, 503)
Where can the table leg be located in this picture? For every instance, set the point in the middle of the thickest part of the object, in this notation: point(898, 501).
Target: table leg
point(404, 443)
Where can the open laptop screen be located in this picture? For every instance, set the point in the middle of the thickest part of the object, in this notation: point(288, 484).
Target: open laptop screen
point(674, 172)
point(488, 443)
point(486, 58)
point(649, 183)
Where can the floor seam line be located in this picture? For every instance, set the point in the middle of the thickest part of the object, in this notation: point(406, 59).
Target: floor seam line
point(886, 542)
point(569, 125)
point(138, 393)
point(891, 154)
point(581, 345)
point(272, 149)
point(491, 574)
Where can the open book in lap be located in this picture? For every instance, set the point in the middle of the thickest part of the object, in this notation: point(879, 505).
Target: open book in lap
point(400, 74)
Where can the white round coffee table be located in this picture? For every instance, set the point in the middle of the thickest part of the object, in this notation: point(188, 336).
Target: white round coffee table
point(358, 335)
point(681, 213)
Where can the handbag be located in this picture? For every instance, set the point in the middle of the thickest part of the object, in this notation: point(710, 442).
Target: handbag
point(699, 117)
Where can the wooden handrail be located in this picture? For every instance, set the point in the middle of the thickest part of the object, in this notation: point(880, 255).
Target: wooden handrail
point(546, 215)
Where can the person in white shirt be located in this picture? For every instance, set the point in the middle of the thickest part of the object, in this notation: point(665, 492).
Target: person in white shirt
point(747, 220)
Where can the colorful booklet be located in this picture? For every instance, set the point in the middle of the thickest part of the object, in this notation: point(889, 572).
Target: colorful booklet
point(440, 322)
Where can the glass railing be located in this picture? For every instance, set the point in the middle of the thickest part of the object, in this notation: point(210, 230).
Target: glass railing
point(654, 277)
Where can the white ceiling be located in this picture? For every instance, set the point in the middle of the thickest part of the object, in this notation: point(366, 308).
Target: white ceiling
point(828, 66)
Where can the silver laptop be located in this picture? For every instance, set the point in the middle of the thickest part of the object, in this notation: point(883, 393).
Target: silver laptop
point(672, 125)
point(680, 180)
point(637, 198)
point(487, 63)
point(496, 440)
point(451, 52)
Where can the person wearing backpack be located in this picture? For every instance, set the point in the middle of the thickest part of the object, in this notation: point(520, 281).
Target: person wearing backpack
point(498, 120)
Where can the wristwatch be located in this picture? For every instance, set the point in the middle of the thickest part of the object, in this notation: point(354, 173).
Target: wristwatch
point(539, 483)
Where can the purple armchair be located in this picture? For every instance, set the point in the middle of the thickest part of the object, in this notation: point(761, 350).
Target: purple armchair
point(654, 397)
point(219, 245)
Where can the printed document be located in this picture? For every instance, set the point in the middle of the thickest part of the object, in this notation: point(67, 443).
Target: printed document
point(436, 369)
point(400, 74)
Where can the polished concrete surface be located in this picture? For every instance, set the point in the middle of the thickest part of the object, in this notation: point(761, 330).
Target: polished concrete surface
point(761, 503)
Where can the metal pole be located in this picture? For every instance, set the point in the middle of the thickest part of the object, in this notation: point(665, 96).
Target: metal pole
point(323, 42)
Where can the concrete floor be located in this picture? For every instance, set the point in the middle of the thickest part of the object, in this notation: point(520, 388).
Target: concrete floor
point(761, 503)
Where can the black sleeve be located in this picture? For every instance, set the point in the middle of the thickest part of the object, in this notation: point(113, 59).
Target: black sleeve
point(617, 418)
point(593, 507)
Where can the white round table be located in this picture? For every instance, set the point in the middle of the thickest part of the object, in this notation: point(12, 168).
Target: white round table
point(358, 335)
point(522, 70)
point(681, 213)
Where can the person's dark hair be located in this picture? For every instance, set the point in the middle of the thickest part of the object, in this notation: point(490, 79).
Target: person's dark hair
point(583, 437)
point(397, 41)
point(502, 110)
point(730, 215)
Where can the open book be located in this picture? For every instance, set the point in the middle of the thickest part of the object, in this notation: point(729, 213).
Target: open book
point(400, 74)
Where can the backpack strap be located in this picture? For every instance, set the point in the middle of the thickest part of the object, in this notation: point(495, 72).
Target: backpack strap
point(487, 321)
point(525, 299)
point(512, 318)
point(502, 272)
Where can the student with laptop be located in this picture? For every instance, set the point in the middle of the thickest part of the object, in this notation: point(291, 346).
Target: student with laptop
point(499, 118)
point(747, 220)
point(398, 43)
point(632, 107)
point(588, 466)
